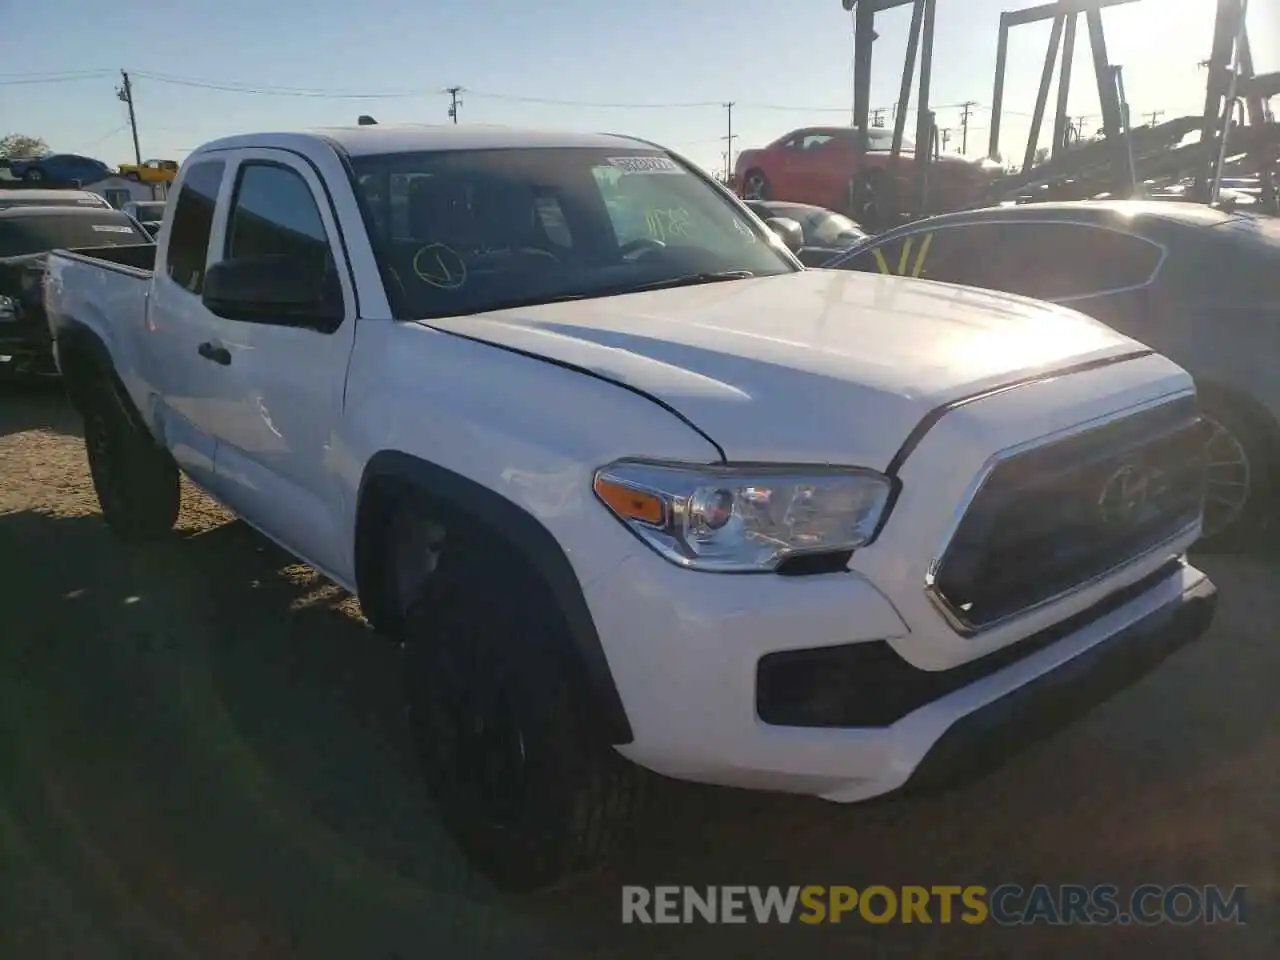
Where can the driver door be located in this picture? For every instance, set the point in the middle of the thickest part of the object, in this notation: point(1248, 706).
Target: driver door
point(283, 385)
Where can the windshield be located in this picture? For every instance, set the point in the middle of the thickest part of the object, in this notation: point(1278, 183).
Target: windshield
point(20, 236)
point(462, 232)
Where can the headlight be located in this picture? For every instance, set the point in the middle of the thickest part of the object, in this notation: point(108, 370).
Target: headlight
point(744, 518)
point(8, 309)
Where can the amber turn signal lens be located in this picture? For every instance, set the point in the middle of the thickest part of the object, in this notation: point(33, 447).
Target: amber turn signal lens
point(628, 502)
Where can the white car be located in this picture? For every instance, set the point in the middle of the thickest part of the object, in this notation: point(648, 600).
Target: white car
point(636, 501)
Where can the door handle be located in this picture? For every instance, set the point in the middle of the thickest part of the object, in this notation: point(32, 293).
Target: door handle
point(211, 351)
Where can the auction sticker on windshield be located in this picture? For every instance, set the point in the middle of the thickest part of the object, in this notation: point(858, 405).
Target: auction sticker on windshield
point(645, 164)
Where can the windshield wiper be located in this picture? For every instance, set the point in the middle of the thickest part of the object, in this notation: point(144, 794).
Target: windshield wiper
point(690, 280)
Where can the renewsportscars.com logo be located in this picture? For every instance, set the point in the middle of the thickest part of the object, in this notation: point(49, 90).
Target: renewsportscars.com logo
point(1006, 905)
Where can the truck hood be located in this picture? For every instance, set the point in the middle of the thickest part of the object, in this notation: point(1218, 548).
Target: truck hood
point(819, 366)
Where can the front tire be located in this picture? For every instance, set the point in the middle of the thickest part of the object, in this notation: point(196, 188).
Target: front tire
point(33, 175)
point(755, 185)
point(136, 481)
point(508, 749)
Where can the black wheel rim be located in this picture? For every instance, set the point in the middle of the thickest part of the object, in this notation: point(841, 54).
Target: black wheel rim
point(472, 731)
point(1228, 480)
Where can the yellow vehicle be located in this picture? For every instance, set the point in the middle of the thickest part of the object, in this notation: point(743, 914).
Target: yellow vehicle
point(150, 171)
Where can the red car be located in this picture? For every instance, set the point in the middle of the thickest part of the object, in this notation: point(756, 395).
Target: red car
point(818, 165)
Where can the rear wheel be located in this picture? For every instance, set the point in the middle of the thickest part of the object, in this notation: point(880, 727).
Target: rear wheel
point(136, 481)
point(508, 748)
point(1239, 491)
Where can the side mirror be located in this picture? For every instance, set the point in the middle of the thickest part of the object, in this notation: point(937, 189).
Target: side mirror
point(789, 232)
point(273, 289)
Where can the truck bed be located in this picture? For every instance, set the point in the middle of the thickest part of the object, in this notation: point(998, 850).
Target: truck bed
point(136, 258)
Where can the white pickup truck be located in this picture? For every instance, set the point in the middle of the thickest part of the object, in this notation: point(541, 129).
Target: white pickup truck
point(632, 487)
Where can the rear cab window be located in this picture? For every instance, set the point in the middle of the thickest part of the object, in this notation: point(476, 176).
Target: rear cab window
point(192, 226)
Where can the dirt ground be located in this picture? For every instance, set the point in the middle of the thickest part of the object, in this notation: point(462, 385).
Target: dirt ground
point(202, 754)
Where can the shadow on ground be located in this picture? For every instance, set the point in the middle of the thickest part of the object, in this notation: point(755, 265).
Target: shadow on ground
point(202, 754)
point(35, 405)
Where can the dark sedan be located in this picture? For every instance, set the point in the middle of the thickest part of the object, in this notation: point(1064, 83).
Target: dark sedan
point(27, 234)
point(1198, 285)
point(824, 232)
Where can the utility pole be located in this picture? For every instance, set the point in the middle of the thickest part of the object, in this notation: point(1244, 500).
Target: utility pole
point(1155, 115)
point(945, 133)
point(454, 102)
point(967, 107)
point(728, 139)
point(124, 93)
point(877, 117)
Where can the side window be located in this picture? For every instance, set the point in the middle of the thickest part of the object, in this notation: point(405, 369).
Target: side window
point(1053, 261)
point(961, 255)
point(816, 141)
point(193, 223)
point(273, 213)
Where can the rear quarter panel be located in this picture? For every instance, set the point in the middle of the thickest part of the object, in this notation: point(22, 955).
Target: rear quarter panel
point(110, 301)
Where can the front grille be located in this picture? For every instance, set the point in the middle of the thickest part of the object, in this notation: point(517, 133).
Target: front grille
point(1058, 516)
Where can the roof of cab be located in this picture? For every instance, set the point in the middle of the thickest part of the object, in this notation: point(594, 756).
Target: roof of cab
point(415, 138)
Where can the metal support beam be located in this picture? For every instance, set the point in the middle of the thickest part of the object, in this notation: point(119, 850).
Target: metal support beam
point(908, 75)
point(864, 35)
point(924, 116)
point(997, 95)
point(1061, 125)
point(1042, 94)
point(1049, 11)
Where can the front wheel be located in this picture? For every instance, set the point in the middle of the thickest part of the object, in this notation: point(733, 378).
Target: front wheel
point(33, 175)
point(132, 175)
point(137, 482)
point(755, 186)
point(508, 749)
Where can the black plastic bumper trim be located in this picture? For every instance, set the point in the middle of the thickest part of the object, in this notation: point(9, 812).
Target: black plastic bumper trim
point(986, 738)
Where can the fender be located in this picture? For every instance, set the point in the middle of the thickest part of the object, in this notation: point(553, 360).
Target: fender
point(536, 546)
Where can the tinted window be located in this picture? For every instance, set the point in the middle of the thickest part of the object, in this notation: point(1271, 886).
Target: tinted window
point(460, 232)
point(1052, 261)
point(961, 255)
point(43, 199)
point(28, 234)
point(192, 224)
point(274, 214)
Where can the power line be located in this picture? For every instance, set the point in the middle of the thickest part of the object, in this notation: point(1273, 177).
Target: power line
point(14, 80)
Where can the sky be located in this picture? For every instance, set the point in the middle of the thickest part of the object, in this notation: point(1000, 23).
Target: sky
point(660, 69)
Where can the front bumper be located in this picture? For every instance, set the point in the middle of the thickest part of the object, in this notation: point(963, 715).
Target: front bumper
point(687, 662)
